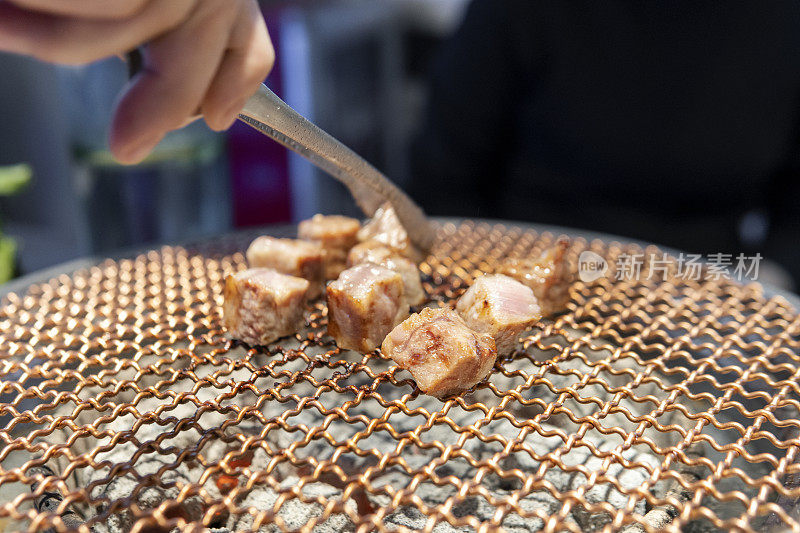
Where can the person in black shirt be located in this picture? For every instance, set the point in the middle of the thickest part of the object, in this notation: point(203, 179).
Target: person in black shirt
point(670, 122)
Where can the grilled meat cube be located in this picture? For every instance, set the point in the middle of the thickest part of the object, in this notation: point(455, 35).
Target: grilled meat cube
point(290, 256)
point(444, 355)
point(413, 293)
point(335, 263)
point(369, 252)
point(332, 231)
point(336, 235)
point(386, 228)
point(548, 276)
point(500, 306)
point(375, 252)
point(364, 304)
point(262, 305)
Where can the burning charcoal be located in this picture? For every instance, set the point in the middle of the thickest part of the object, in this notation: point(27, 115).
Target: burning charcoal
point(386, 228)
point(548, 276)
point(147, 496)
point(50, 501)
point(155, 478)
point(336, 235)
point(262, 305)
point(443, 354)
point(412, 519)
point(542, 500)
point(500, 306)
point(379, 254)
point(294, 512)
point(294, 257)
point(364, 304)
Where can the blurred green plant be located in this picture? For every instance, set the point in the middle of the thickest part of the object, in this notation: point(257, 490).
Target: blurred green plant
point(12, 180)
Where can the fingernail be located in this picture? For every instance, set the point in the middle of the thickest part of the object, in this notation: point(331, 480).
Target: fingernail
point(190, 120)
point(233, 113)
point(228, 123)
point(142, 149)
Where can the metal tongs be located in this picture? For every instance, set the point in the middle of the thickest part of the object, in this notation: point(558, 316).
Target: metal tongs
point(271, 116)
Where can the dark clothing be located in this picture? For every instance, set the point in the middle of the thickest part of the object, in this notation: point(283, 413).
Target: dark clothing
point(665, 121)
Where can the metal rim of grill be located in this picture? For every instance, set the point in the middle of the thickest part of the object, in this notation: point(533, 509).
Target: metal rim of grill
point(661, 403)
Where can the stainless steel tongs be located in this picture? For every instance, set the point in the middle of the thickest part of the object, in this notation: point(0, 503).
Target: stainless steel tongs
point(271, 116)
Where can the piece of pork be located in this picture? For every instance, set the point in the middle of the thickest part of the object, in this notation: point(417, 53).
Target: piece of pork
point(549, 277)
point(369, 252)
point(364, 304)
point(444, 355)
point(385, 228)
point(413, 292)
point(500, 306)
point(377, 253)
point(262, 305)
point(330, 231)
point(336, 235)
point(290, 256)
point(335, 263)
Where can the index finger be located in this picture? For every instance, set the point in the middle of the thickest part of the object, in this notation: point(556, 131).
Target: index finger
point(96, 9)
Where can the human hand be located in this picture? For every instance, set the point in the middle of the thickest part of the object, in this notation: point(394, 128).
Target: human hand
point(206, 55)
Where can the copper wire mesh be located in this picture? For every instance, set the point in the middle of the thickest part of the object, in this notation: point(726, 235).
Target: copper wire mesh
point(650, 403)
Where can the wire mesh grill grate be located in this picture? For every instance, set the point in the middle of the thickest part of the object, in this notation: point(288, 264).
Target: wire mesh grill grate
point(649, 404)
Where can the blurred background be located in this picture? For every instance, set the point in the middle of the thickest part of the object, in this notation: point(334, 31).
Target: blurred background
point(675, 123)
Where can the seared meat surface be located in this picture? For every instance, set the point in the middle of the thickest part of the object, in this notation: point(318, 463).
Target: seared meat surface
point(364, 304)
point(548, 276)
point(377, 253)
point(500, 306)
point(336, 235)
point(413, 292)
point(330, 231)
point(369, 252)
point(262, 305)
point(385, 228)
point(444, 355)
point(290, 256)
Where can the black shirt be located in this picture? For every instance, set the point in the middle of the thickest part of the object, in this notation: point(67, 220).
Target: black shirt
point(665, 121)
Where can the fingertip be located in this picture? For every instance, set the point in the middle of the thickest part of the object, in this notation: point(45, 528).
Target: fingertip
point(217, 122)
point(221, 121)
point(132, 151)
point(219, 126)
point(269, 57)
point(139, 123)
point(133, 155)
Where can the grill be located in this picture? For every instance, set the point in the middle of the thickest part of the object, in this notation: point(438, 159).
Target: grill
point(660, 403)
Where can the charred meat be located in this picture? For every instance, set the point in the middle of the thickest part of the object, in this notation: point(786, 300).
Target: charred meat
point(290, 256)
point(262, 305)
point(548, 276)
point(364, 304)
point(441, 351)
point(500, 306)
point(336, 235)
point(413, 292)
point(330, 231)
point(369, 252)
point(375, 252)
point(385, 228)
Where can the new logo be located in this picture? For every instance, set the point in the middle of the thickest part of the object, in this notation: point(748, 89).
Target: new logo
point(591, 266)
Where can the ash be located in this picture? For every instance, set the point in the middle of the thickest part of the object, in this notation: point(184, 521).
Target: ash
point(150, 457)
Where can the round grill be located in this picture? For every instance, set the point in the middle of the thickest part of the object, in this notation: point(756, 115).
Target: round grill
point(649, 404)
